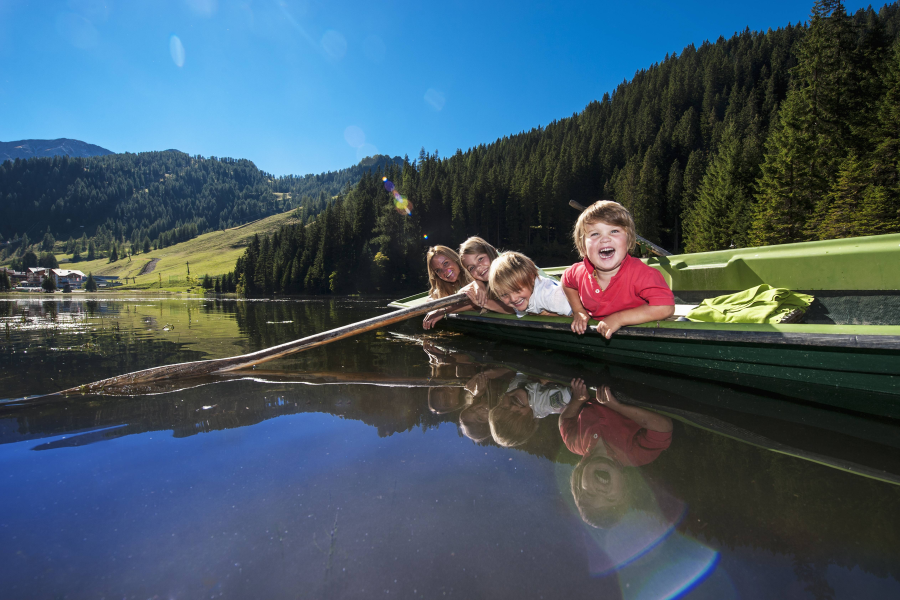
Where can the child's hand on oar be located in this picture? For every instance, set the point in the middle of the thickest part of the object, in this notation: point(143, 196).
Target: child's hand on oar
point(432, 318)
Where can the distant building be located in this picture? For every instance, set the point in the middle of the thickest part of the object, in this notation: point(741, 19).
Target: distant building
point(61, 277)
point(15, 277)
point(36, 275)
point(73, 278)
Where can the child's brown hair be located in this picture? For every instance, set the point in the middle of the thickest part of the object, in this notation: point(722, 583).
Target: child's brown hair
point(511, 271)
point(477, 245)
point(439, 287)
point(510, 428)
point(606, 211)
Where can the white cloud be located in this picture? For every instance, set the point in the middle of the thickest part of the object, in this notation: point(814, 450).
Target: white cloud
point(435, 98)
point(176, 49)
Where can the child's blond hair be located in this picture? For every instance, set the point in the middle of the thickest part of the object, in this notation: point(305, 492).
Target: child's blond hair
point(510, 428)
point(602, 515)
point(442, 400)
point(605, 211)
point(472, 426)
point(439, 287)
point(511, 271)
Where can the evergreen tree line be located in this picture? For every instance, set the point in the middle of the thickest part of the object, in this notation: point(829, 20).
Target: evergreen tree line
point(149, 200)
point(763, 138)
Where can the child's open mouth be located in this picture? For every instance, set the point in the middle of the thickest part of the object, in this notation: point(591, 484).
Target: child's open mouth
point(607, 253)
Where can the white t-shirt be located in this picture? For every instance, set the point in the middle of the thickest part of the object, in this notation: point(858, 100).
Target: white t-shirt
point(548, 295)
point(545, 400)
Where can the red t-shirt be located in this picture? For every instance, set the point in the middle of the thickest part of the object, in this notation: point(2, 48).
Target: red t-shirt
point(626, 441)
point(634, 285)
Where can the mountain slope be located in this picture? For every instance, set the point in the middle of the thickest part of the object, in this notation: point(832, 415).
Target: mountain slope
point(45, 148)
point(154, 196)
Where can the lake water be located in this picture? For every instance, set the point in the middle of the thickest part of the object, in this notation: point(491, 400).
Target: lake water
point(367, 468)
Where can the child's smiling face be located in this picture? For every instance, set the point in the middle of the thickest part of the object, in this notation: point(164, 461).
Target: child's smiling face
point(518, 299)
point(606, 246)
point(478, 265)
point(445, 268)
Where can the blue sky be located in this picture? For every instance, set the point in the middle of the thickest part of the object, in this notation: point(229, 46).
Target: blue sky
point(309, 86)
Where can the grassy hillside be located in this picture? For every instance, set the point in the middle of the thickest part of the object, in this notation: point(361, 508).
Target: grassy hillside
point(211, 253)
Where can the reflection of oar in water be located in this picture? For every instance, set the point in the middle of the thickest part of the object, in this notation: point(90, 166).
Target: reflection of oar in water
point(347, 378)
point(653, 247)
point(132, 382)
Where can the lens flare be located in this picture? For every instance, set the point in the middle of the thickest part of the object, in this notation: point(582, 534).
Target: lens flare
point(425, 236)
point(401, 203)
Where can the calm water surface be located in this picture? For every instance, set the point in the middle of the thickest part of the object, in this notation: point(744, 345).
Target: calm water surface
point(368, 468)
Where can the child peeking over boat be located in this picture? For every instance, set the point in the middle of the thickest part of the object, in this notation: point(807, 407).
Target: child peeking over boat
point(514, 278)
point(477, 256)
point(515, 418)
point(472, 265)
point(609, 436)
point(445, 278)
point(609, 285)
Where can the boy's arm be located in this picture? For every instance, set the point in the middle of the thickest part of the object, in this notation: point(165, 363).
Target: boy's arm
point(436, 315)
point(579, 397)
point(480, 298)
point(580, 316)
point(494, 306)
point(633, 316)
point(645, 418)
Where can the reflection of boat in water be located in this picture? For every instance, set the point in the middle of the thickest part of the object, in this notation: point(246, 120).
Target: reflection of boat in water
point(849, 342)
point(851, 443)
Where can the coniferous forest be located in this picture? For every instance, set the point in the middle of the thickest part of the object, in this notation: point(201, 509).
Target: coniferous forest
point(151, 199)
point(767, 137)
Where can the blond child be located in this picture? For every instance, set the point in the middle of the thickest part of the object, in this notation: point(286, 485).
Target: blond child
point(515, 280)
point(608, 284)
point(515, 418)
point(609, 436)
point(446, 277)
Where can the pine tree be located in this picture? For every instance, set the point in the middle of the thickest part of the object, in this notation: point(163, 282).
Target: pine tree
point(813, 130)
point(48, 285)
point(717, 217)
point(90, 285)
point(674, 193)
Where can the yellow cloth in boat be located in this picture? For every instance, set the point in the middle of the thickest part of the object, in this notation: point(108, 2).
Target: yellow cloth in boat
point(761, 304)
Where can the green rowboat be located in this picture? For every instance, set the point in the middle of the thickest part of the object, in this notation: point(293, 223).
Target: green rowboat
point(846, 354)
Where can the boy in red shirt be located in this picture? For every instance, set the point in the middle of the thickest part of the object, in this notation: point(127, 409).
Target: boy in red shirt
point(609, 285)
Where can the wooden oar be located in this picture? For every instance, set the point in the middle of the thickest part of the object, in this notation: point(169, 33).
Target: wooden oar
point(659, 251)
point(132, 381)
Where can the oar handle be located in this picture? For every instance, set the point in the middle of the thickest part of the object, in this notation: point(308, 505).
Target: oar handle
point(659, 251)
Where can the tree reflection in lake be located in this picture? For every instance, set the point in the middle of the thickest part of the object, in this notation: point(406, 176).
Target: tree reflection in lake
point(331, 474)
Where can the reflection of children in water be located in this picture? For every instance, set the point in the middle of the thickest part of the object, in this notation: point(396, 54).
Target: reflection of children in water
point(610, 436)
point(473, 420)
point(447, 365)
point(515, 418)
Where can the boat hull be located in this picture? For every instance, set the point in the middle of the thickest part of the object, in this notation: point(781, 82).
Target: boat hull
point(854, 372)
